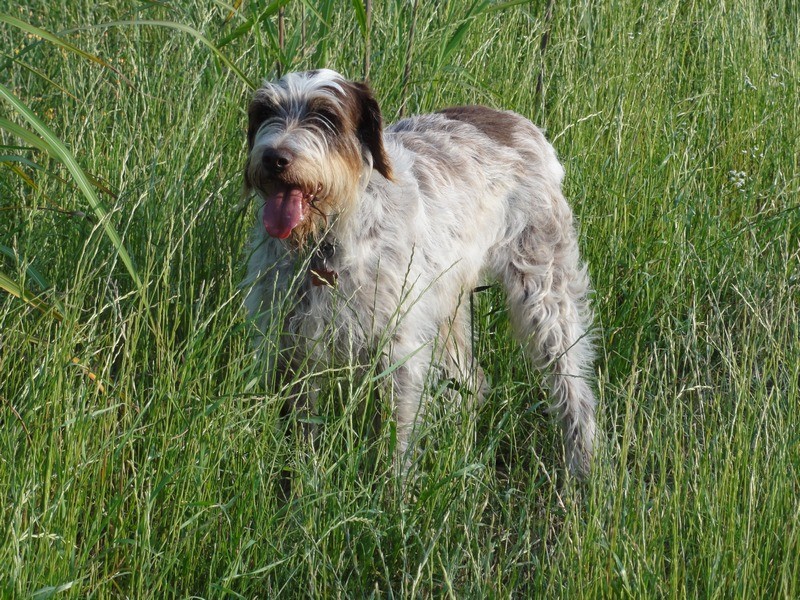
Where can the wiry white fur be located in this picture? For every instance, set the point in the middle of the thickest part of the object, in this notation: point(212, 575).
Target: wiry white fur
point(464, 206)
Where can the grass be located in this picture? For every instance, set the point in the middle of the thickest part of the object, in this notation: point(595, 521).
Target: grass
point(140, 453)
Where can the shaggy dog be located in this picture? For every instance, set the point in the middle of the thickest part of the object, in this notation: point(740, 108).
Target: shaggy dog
point(377, 237)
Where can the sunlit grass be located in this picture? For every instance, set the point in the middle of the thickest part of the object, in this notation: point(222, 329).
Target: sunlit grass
point(141, 452)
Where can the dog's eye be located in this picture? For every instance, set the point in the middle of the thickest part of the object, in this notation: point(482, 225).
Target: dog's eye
point(260, 111)
point(262, 106)
point(328, 118)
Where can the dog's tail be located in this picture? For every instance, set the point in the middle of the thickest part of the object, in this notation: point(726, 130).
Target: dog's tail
point(547, 289)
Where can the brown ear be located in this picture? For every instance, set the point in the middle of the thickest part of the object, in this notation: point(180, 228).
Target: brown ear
point(370, 129)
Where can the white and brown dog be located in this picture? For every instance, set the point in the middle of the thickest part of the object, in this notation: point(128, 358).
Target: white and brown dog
point(374, 240)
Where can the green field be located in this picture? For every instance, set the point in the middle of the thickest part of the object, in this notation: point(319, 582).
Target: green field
point(142, 455)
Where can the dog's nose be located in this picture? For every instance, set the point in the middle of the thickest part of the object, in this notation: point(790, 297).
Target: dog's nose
point(276, 160)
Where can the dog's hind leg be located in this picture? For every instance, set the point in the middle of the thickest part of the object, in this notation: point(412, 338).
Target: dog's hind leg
point(455, 355)
point(547, 291)
point(433, 358)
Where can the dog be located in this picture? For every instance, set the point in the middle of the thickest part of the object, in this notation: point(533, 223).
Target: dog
point(376, 238)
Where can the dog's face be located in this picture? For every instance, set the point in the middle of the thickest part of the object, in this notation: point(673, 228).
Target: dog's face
point(312, 138)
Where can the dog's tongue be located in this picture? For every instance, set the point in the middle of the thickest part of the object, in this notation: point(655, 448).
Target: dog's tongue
point(283, 211)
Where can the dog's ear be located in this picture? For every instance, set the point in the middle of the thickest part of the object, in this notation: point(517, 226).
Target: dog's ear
point(369, 129)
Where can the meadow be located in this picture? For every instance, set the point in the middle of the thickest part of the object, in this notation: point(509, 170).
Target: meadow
point(143, 455)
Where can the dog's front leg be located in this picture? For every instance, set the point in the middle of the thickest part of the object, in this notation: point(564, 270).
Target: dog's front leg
point(411, 364)
point(303, 405)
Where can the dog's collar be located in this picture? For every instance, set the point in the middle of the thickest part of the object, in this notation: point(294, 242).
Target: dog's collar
point(320, 270)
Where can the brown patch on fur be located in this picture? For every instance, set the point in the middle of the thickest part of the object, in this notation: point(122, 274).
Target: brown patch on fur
point(497, 125)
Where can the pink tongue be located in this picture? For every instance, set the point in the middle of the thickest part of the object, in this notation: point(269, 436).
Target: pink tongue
point(283, 211)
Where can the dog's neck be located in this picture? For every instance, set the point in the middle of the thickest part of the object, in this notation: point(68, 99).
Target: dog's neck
point(319, 269)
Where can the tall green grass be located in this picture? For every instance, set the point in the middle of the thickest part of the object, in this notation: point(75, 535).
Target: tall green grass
point(141, 452)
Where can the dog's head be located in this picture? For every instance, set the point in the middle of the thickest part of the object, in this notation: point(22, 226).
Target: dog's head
point(312, 140)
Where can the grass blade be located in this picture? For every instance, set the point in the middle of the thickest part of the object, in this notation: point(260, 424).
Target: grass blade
point(195, 34)
point(54, 39)
point(38, 73)
point(32, 273)
point(271, 9)
point(56, 148)
point(25, 135)
point(13, 288)
point(504, 5)
point(360, 11)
